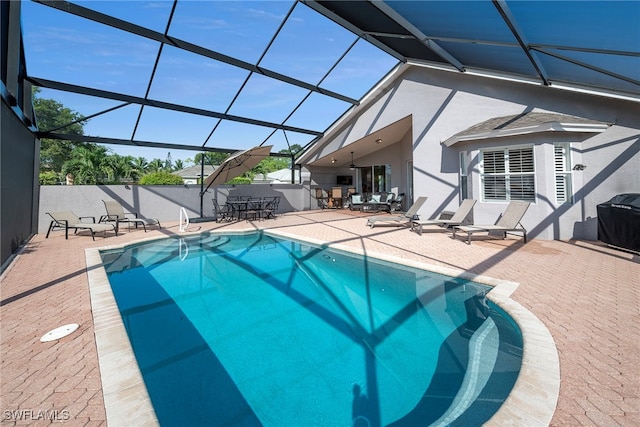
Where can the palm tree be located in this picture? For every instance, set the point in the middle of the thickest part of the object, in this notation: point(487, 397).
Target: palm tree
point(141, 166)
point(155, 165)
point(178, 164)
point(88, 165)
point(121, 167)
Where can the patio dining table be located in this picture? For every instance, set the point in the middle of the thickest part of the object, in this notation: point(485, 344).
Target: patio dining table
point(253, 208)
point(238, 208)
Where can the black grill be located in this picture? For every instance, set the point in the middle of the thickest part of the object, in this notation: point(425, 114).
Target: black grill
point(619, 221)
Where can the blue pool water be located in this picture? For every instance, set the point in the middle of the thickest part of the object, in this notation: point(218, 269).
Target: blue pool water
point(251, 329)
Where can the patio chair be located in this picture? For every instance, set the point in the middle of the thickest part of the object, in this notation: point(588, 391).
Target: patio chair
point(115, 212)
point(271, 207)
point(396, 204)
point(456, 219)
point(336, 197)
point(255, 207)
point(321, 198)
point(509, 222)
point(221, 213)
point(67, 219)
point(355, 201)
point(399, 220)
point(387, 202)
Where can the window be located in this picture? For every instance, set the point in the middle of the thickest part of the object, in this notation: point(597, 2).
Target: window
point(562, 165)
point(463, 176)
point(508, 174)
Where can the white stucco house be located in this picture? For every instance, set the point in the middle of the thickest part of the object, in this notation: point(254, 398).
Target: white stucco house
point(284, 176)
point(451, 136)
point(192, 174)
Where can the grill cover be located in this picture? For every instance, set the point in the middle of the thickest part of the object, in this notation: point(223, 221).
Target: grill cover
point(619, 221)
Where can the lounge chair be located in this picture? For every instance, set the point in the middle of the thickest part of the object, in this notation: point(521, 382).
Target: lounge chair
point(456, 219)
point(115, 212)
point(398, 220)
point(509, 222)
point(67, 219)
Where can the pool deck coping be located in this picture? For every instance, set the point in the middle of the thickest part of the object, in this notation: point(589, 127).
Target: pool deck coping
point(532, 401)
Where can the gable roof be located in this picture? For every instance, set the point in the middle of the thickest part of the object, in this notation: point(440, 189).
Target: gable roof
point(526, 123)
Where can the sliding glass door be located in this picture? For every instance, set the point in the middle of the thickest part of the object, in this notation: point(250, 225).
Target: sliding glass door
point(374, 179)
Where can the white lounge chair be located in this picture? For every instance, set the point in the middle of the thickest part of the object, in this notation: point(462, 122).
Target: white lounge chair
point(67, 219)
point(457, 219)
point(398, 220)
point(115, 212)
point(509, 222)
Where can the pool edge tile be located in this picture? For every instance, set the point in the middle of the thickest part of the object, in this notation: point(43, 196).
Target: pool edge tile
point(125, 394)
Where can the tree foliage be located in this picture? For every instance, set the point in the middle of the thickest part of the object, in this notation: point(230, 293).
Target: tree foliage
point(88, 165)
point(161, 178)
point(272, 164)
point(211, 158)
point(155, 165)
point(294, 149)
point(53, 116)
point(49, 178)
point(240, 180)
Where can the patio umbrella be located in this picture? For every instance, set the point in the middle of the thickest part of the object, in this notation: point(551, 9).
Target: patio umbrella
point(237, 164)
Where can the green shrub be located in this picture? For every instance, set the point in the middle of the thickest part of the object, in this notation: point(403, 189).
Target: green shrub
point(161, 178)
point(49, 178)
point(240, 180)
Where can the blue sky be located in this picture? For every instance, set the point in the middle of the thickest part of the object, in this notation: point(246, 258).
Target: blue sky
point(62, 47)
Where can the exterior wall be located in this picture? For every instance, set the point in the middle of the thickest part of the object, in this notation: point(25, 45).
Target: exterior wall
point(326, 177)
point(19, 183)
point(444, 103)
point(551, 218)
point(159, 201)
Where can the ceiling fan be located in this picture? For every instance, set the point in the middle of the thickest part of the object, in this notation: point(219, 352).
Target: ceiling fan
point(352, 166)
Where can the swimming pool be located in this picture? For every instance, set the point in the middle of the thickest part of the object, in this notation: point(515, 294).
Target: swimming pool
point(256, 330)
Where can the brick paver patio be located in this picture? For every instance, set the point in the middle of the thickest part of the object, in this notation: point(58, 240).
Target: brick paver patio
point(586, 294)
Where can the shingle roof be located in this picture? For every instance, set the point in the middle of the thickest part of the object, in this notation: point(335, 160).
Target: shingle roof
point(195, 171)
point(529, 122)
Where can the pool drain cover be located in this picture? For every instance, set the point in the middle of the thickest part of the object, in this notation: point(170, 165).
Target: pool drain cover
point(60, 332)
